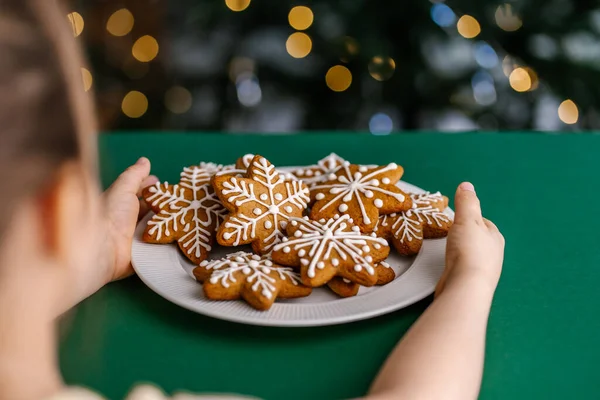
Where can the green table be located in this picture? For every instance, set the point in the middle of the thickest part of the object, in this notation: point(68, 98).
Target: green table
point(544, 330)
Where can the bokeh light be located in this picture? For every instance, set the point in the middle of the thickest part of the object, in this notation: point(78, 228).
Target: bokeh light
point(338, 78)
point(298, 45)
point(239, 66)
point(145, 49)
point(237, 5)
point(120, 23)
point(348, 48)
point(300, 18)
point(485, 55)
point(86, 75)
point(468, 27)
point(382, 68)
point(520, 80)
point(381, 124)
point(249, 92)
point(76, 21)
point(178, 100)
point(442, 15)
point(568, 112)
point(508, 65)
point(534, 78)
point(134, 104)
point(506, 19)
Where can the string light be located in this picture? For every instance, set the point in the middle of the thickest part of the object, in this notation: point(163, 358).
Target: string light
point(568, 112)
point(145, 49)
point(178, 100)
point(298, 45)
point(86, 75)
point(134, 104)
point(338, 78)
point(349, 48)
point(382, 68)
point(506, 19)
point(120, 23)
point(237, 5)
point(520, 80)
point(468, 27)
point(508, 65)
point(76, 21)
point(300, 18)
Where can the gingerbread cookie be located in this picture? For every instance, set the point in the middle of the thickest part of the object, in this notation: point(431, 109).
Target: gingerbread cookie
point(326, 248)
point(425, 220)
point(260, 204)
point(245, 161)
point(346, 288)
point(254, 278)
point(318, 173)
point(188, 212)
point(361, 192)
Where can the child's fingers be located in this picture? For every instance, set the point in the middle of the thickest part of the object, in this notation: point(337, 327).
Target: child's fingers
point(131, 179)
point(466, 203)
point(148, 181)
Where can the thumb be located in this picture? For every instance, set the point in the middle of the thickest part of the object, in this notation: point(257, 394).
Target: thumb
point(131, 179)
point(467, 204)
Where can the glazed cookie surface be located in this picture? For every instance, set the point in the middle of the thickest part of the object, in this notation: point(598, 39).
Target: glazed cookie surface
point(362, 192)
point(425, 220)
point(188, 212)
point(328, 248)
point(260, 204)
point(254, 278)
point(346, 288)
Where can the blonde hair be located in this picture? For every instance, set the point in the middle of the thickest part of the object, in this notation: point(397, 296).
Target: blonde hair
point(45, 114)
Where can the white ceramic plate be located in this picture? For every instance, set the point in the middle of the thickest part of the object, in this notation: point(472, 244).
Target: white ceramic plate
point(166, 271)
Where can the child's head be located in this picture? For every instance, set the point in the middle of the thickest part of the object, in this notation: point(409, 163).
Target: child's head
point(48, 189)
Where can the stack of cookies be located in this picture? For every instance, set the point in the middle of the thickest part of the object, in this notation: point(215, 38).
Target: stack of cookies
point(327, 224)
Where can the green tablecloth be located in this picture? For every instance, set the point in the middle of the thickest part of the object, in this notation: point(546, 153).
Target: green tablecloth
point(544, 330)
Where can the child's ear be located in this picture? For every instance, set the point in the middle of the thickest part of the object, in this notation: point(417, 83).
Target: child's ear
point(65, 210)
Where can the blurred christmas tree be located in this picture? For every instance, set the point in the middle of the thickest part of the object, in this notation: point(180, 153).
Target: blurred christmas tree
point(285, 66)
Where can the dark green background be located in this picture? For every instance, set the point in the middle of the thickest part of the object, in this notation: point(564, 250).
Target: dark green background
point(544, 330)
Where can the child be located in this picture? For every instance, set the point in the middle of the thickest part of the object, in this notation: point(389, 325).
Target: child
point(61, 239)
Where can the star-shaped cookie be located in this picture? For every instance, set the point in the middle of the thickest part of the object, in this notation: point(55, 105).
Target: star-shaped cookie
point(327, 248)
point(188, 212)
point(425, 220)
point(260, 204)
point(254, 278)
point(361, 192)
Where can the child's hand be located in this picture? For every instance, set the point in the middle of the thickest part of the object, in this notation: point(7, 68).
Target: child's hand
point(123, 210)
point(475, 247)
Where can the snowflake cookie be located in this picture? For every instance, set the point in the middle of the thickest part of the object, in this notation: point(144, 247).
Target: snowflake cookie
point(251, 277)
point(326, 248)
point(346, 288)
point(425, 220)
point(188, 212)
point(319, 173)
point(362, 192)
point(261, 205)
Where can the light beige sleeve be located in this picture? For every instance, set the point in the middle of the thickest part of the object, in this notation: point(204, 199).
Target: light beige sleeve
point(143, 392)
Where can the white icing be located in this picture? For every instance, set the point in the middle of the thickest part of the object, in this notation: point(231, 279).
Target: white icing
point(343, 207)
point(320, 196)
point(278, 196)
point(378, 203)
point(255, 269)
point(385, 181)
point(241, 191)
point(346, 280)
point(257, 211)
point(344, 186)
point(329, 240)
point(203, 210)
